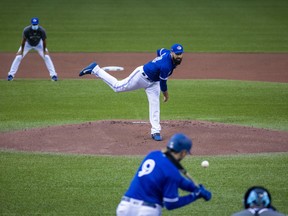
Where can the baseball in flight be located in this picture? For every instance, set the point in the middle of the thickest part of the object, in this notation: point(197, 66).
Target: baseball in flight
point(205, 164)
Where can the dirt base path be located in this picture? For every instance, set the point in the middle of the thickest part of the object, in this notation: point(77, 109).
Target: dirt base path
point(132, 137)
point(232, 66)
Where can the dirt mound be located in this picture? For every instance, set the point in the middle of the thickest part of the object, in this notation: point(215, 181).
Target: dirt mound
point(131, 138)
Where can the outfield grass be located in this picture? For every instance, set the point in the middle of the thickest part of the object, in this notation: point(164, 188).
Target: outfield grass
point(39, 103)
point(130, 26)
point(55, 184)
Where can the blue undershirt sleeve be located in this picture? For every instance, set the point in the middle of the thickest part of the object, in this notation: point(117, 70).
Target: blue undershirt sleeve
point(182, 201)
point(187, 185)
point(163, 85)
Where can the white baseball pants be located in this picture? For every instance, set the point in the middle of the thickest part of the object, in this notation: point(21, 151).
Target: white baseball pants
point(137, 80)
point(39, 49)
point(136, 208)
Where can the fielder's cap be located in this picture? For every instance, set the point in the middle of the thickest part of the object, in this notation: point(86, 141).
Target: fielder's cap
point(177, 49)
point(34, 21)
point(179, 142)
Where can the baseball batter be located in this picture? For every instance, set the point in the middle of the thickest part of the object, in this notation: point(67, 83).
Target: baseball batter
point(151, 76)
point(157, 180)
point(33, 37)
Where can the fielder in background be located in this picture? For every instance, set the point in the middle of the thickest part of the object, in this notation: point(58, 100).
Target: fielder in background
point(33, 37)
point(157, 180)
point(151, 76)
point(257, 201)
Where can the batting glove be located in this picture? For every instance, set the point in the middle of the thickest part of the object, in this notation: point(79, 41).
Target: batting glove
point(207, 195)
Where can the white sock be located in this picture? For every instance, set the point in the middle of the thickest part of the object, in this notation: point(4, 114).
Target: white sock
point(95, 69)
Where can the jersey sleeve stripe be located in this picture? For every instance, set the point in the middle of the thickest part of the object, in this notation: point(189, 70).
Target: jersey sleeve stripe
point(171, 200)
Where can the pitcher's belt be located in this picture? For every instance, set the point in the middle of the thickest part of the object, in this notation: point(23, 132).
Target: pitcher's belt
point(146, 77)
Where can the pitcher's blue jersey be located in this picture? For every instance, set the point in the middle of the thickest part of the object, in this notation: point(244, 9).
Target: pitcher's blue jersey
point(160, 68)
point(157, 180)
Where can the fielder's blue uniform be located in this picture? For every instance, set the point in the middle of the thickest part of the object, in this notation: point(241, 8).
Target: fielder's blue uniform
point(157, 181)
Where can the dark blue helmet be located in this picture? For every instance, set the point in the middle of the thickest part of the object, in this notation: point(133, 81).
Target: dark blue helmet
point(257, 196)
point(179, 142)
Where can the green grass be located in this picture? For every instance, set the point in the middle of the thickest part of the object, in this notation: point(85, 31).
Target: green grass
point(39, 103)
point(56, 184)
point(47, 184)
point(128, 25)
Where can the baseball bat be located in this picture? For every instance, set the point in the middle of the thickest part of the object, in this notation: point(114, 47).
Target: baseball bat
point(187, 175)
point(180, 167)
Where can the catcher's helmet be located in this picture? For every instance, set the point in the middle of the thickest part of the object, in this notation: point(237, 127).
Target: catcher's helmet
point(179, 142)
point(257, 196)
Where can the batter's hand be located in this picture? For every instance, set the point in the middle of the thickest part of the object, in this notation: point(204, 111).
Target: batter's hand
point(207, 195)
point(165, 94)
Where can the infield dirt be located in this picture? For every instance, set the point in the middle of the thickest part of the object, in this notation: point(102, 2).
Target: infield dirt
point(123, 137)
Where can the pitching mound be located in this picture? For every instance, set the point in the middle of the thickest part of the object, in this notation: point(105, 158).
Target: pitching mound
point(132, 138)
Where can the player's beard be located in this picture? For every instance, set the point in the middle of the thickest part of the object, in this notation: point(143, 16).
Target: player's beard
point(177, 61)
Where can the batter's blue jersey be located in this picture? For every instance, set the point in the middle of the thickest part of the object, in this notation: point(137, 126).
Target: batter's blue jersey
point(157, 180)
point(160, 68)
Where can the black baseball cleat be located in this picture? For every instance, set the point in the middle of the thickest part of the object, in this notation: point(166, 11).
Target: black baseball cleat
point(88, 69)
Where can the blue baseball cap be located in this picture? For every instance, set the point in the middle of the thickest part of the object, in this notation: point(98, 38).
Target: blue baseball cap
point(177, 49)
point(179, 142)
point(34, 21)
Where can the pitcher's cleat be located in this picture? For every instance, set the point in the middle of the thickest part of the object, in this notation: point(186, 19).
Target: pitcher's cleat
point(156, 137)
point(54, 78)
point(10, 78)
point(88, 69)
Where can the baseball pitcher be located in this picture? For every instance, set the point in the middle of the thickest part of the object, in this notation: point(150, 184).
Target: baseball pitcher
point(151, 76)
